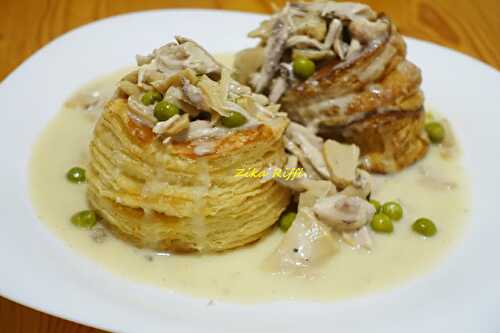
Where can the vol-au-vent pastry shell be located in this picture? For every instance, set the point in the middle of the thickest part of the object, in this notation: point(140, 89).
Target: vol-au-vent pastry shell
point(384, 116)
point(170, 198)
point(340, 68)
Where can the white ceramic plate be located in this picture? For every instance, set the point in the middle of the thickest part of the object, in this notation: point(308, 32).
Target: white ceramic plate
point(38, 270)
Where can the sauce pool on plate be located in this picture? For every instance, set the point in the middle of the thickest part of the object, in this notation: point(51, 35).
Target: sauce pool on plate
point(436, 188)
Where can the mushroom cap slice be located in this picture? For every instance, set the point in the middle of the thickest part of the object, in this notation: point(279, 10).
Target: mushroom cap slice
point(306, 244)
point(342, 161)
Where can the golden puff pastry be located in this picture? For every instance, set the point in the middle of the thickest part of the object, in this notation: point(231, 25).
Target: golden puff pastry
point(166, 149)
point(363, 89)
point(167, 198)
point(383, 115)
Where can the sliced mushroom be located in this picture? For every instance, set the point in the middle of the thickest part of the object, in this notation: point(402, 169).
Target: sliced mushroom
point(306, 244)
point(361, 186)
point(342, 161)
point(294, 149)
point(312, 54)
point(314, 190)
point(129, 88)
point(343, 212)
point(131, 76)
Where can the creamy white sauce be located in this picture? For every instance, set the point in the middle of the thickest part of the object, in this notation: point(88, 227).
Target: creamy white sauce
point(436, 188)
point(342, 103)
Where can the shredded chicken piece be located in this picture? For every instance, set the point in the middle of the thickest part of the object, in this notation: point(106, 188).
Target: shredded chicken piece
point(185, 54)
point(172, 126)
point(309, 145)
point(178, 126)
point(143, 112)
point(343, 10)
point(162, 126)
point(200, 129)
point(303, 42)
point(367, 31)
point(334, 33)
point(187, 76)
point(343, 212)
point(315, 30)
point(310, 25)
point(194, 95)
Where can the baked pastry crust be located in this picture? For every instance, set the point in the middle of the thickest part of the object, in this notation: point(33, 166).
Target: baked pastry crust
point(383, 115)
point(167, 198)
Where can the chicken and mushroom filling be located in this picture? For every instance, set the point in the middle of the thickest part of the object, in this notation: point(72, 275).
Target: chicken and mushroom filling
point(332, 200)
point(303, 34)
point(181, 92)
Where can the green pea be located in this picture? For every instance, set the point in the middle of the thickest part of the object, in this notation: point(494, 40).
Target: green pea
point(151, 97)
point(376, 205)
point(435, 131)
point(76, 175)
point(85, 219)
point(382, 223)
point(425, 227)
point(286, 220)
point(235, 119)
point(303, 68)
point(393, 210)
point(164, 110)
